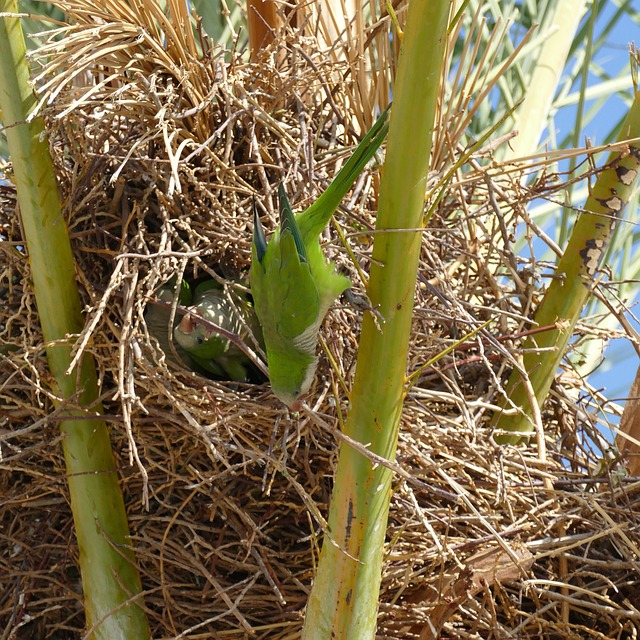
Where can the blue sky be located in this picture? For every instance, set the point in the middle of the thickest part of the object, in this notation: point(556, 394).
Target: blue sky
point(617, 371)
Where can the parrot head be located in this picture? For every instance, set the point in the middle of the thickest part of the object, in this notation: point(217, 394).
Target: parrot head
point(197, 339)
point(291, 375)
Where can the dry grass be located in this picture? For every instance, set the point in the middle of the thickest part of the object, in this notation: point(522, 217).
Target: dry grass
point(226, 491)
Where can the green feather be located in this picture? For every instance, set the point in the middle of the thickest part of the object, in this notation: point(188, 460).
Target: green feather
point(315, 218)
point(259, 239)
point(292, 283)
point(289, 225)
point(214, 352)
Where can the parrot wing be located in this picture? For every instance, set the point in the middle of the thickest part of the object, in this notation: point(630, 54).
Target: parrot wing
point(284, 290)
point(293, 293)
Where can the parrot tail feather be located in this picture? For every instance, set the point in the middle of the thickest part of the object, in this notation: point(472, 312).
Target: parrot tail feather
point(259, 239)
point(288, 223)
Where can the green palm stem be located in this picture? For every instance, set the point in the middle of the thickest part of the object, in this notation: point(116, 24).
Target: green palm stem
point(344, 599)
point(572, 285)
point(110, 579)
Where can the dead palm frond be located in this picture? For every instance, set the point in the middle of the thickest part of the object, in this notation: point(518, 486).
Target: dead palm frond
point(161, 138)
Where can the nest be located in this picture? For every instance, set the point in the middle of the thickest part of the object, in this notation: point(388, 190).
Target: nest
point(226, 491)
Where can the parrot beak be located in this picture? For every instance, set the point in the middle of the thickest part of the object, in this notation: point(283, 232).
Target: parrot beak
point(186, 325)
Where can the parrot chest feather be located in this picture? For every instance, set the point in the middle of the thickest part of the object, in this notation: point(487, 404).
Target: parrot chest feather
point(307, 340)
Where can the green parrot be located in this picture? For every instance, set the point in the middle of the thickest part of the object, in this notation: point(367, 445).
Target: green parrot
point(213, 351)
point(292, 283)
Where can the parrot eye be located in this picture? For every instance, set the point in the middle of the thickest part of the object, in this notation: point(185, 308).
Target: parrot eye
point(199, 339)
